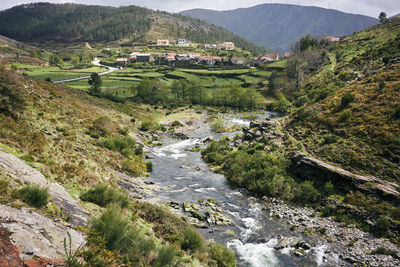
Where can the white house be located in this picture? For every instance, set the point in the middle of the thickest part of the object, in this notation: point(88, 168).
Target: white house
point(182, 43)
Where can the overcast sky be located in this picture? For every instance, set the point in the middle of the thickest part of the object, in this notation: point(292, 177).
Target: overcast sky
point(365, 7)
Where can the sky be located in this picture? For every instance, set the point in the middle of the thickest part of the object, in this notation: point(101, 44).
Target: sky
point(366, 7)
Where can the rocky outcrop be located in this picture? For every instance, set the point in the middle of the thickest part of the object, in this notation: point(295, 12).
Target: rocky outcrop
point(19, 169)
point(309, 167)
point(9, 254)
point(203, 214)
point(261, 131)
point(344, 242)
point(36, 235)
point(137, 187)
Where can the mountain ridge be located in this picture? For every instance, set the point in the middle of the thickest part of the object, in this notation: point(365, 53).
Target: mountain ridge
point(46, 22)
point(278, 26)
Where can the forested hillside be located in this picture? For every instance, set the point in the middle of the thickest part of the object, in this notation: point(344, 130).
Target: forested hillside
point(43, 22)
point(279, 26)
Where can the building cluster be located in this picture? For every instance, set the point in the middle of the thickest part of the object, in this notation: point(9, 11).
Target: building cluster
point(185, 60)
point(181, 42)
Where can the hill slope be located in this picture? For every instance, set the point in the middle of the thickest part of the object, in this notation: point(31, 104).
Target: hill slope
point(278, 26)
point(353, 118)
point(42, 22)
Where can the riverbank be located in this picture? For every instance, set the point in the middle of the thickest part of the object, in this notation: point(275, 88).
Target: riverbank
point(331, 242)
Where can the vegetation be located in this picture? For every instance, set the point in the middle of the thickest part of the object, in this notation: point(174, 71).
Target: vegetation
point(192, 240)
point(95, 84)
point(71, 22)
point(120, 235)
point(11, 96)
point(34, 195)
point(223, 256)
point(104, 194)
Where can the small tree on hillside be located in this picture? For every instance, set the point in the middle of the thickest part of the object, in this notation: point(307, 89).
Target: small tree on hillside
point(95, 82)
point(382, 17)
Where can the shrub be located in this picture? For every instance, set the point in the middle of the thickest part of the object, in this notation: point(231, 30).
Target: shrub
point(125, 145)
point(346, 100)
point(135, 166)
point(166, 256)
point(397, 111)
point(329, 188)
point(105, 126)
point(330, 138)
point(139, 150)
point(148, 125)
point(217, 124)
point(104, 194)
point(120, 235)
point(384, 251)
point(222, 255)
point(71, 258)
point(328, 210)
point(301, 101)
point(307, 193)
point(192, 240)
point(346, 115)
point(176, 124)
point(149, 166)
point(381, 227)
point(34, 195)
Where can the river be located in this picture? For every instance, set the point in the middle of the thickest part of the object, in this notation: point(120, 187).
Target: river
point(189, 179)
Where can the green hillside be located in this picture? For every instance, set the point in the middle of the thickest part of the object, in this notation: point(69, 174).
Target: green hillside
point(45, 22)
point(83, 143)
point(353, 118)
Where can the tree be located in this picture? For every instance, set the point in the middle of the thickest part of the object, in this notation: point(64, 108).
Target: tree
point(95, 82)
point(382, 17)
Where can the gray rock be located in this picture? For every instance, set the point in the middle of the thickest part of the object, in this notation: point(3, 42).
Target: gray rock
point(283, 243)
point(36, 235)
point(17, 168)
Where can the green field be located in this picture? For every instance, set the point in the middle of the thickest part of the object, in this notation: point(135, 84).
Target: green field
point(54, 73)
point(117, 83)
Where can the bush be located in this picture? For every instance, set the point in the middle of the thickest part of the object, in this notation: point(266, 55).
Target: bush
point(148, 125)
point(125, 145)
point(346, 100)
point(384, 251)
point(222, 255)
point(346, 115)
point(307, 193)
point(105, 126)
point(381, 227)
point(329, 188)
point(135, 166)
point(176, 124)
point(104, 194)
point(397, 111)
point(120, 235)
point(149, 166)
point(192, 240)
point(166, 256)
point(217, 124)
point(34, 195)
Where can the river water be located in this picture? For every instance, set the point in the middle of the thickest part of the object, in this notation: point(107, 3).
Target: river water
point(255, 235)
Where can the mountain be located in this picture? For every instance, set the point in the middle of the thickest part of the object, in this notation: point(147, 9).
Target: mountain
point(45, 22)
point(278, 26)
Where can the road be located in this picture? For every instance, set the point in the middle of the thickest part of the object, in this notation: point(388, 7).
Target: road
point(95, 62)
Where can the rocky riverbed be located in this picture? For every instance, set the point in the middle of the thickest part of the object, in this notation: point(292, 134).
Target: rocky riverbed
point(338, 240)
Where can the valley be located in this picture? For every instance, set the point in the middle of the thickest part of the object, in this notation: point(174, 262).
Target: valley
point(133, 137)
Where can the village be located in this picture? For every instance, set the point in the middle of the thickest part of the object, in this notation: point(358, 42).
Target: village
point(175, 59)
